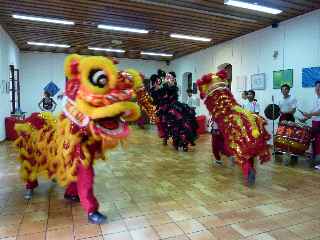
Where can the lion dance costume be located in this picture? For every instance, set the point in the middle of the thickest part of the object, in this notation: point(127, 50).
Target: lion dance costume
point(175, 119)
point(243, 132)
point(94, 120)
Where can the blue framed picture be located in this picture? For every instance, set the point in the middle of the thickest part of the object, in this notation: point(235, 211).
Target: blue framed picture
point(51, 88)
point(310, 76)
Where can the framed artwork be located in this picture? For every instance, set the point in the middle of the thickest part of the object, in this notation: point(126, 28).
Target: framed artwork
point(258, 81)
point(310, 76)
point(3, 86)
point(7, 87)
point(51, 88)
point(241, 83)
point(282, 77)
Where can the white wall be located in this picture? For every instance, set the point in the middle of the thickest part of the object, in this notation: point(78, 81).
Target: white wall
point(38, 69)
point(298, 43)
point(9, 55)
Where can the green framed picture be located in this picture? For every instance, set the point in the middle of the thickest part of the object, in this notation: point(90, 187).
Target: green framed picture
point(282, 77)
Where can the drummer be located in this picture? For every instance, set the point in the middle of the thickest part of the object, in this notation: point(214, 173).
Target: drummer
point(288, 104)
point(314, 115)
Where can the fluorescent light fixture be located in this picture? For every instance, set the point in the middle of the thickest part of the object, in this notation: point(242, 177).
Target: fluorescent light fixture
point(156, 54)
point(41, 19)
point(194, 38)
point(106, 49)
point(122, 29)
point(49, 44)
point(252, 6)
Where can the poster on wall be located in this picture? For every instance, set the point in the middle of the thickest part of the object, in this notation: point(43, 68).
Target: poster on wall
point(7, 87)
point(241, 83)
point(3, 86)
point(51, 88)
point(310, 76)
point(282, 77)
point(258, 81)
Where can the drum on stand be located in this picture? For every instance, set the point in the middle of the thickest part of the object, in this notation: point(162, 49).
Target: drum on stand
point(292, 138)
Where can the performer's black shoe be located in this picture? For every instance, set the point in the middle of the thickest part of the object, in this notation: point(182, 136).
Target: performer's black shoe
point(28, 194)
point(185, 148)
point(72, 198)
point(96, 218)
point(193, 144)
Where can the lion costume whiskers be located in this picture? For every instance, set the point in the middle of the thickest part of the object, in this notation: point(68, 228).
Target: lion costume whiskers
point(93, 120)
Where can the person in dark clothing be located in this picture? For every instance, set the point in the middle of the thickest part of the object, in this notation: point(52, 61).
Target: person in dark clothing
point(47, 103)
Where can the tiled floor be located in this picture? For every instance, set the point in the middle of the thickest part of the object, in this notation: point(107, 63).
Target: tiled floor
point(153, 192)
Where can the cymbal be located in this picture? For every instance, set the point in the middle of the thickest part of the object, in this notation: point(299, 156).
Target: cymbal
point(272, 111)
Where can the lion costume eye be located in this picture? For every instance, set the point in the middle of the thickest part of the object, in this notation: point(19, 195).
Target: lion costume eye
point(98, 78)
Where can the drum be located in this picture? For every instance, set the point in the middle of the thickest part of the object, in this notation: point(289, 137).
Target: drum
point(292, 137)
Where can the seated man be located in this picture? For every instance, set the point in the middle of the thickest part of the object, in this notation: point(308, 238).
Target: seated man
point(252, 105)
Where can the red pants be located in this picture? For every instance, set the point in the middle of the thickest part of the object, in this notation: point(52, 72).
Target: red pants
point(217, 145)
point(161, 130)
point(287, 117)
point(82, 188)
point(316, 135)
point(247, 166)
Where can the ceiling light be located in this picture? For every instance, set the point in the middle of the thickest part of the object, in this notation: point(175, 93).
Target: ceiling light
point(156, 54)
point(41, 19)
point(252, 6)
point(49, 44)
point(106, 49)
point(122, 29)
point(194, 38)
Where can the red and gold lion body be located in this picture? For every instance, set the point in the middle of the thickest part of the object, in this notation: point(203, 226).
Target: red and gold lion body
point(244, 133)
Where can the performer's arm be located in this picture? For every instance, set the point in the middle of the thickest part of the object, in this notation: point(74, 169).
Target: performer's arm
point(54, 105)
point(40, 105)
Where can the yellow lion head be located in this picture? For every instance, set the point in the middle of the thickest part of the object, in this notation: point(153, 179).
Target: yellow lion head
point(99, 96)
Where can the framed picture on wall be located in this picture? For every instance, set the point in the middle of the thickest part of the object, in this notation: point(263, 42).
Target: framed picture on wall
point(258, 81)
point(310, 76)
point(7, 87)
point(3, 86)
point(282, 77)
point(241, 83)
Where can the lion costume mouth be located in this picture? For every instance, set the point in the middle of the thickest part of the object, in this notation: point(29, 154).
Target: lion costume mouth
point(112, 126)
point(112, 119)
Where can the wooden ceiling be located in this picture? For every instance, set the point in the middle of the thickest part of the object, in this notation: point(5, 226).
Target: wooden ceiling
point(205, 18)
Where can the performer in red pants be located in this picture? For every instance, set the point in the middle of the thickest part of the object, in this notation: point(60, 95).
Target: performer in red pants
point(314, 115)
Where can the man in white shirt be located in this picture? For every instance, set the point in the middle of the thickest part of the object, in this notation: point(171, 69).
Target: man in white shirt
point(287, 104)
point(252, 105)
point(191, 101)
point(314, 115)
point(244, 100)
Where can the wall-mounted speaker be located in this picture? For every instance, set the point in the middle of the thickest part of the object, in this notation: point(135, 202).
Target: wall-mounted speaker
point(275, 25)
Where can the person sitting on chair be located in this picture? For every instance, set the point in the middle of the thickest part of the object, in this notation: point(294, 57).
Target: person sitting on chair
point(244, 98)
point(192, 102)
point(47, 103)
point(252, 105)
